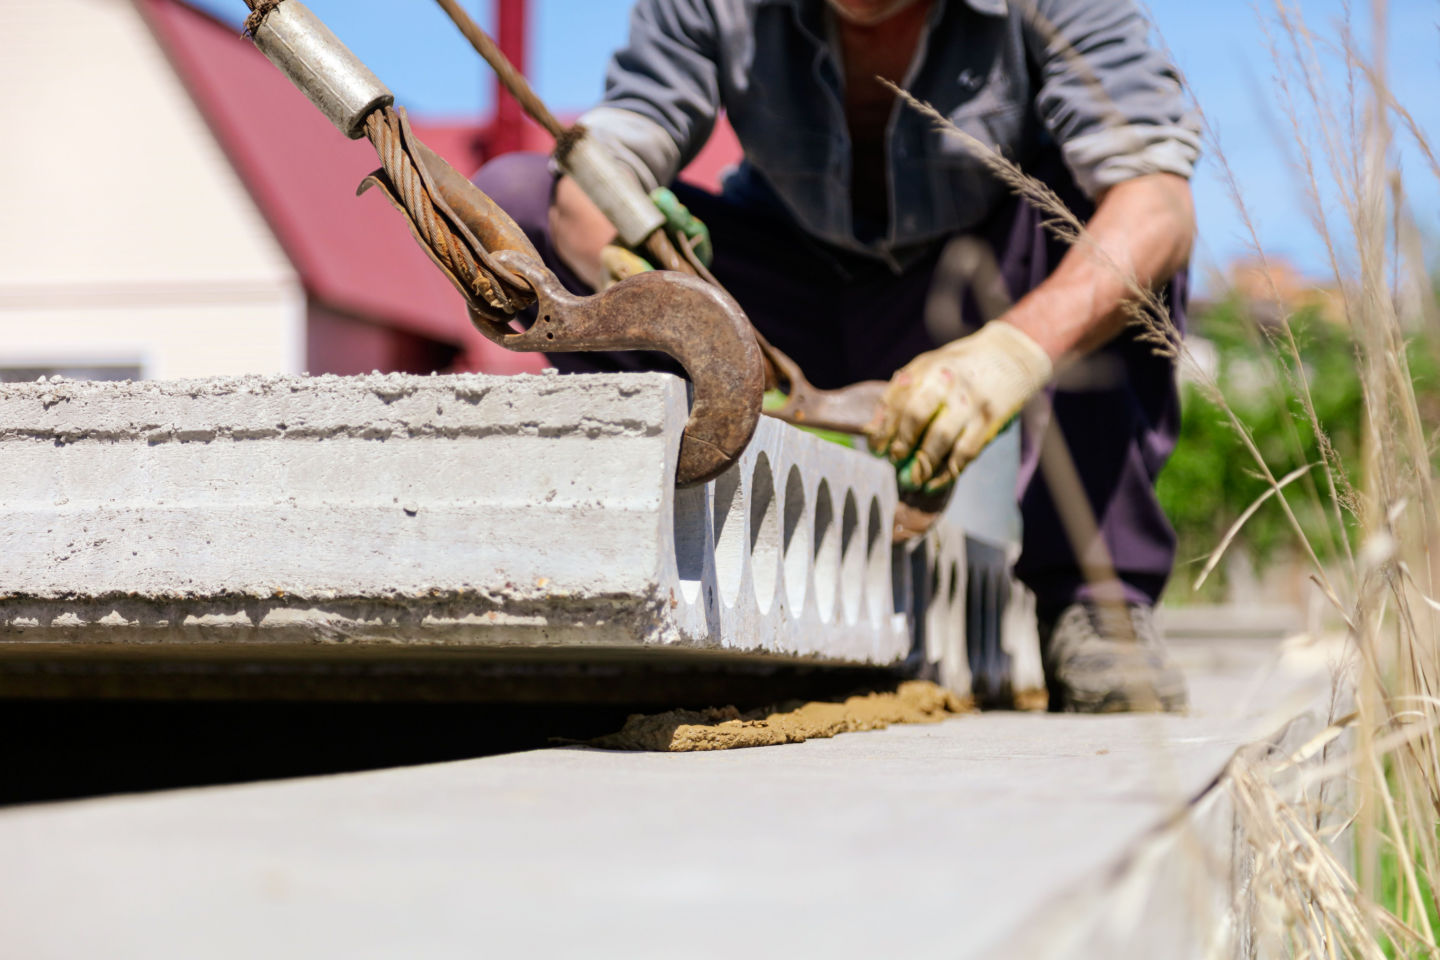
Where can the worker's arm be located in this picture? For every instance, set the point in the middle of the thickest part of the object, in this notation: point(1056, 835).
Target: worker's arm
point(1114, 104)
point(1141, 234)
point(662, 89)
point(943, 407)
point(587, 243)
point(580, 232)
point(662, 97)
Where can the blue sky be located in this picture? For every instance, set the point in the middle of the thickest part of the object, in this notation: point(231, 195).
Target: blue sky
point(1219, 45)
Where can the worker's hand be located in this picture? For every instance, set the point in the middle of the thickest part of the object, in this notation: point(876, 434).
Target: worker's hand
point(682, 225)
point(620, 263)
point(943, 407)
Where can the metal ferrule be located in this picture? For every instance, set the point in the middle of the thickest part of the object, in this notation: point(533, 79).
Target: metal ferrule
point(612, 188)
point(321, 67)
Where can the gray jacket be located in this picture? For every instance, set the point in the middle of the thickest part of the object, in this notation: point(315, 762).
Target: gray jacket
point(1011, 72)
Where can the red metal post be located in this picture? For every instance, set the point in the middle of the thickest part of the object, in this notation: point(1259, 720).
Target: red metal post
point(507, 133)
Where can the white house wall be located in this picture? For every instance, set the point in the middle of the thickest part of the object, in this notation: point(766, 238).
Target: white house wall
point(126, 238)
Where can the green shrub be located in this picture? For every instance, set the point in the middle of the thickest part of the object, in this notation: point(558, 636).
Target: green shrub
point(1210, 481)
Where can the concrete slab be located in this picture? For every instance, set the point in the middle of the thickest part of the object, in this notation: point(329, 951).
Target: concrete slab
point(355, 515)
point(995, 835)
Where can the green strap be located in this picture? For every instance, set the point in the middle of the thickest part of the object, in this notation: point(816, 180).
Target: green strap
point(679, 220)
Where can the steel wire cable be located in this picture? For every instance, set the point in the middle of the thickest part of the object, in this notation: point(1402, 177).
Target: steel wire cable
point(383, 129)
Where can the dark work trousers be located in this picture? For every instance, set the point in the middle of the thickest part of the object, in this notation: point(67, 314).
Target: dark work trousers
point(845, 317)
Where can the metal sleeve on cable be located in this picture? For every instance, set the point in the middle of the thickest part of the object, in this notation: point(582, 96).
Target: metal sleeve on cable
point(321, 67)
point(612, 187)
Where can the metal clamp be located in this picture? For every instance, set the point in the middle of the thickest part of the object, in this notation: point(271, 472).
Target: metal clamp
point(321, 67)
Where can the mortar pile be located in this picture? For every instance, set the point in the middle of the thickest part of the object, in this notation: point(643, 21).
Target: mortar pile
point(726, 728)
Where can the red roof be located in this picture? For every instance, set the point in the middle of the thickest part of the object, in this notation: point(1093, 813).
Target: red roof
point(352, 254)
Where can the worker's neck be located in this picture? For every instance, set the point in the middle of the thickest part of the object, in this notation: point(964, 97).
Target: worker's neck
point(886, 43)
point(872, 13)
point(885, 49)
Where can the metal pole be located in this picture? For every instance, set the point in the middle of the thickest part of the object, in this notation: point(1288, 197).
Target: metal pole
point(508, 133)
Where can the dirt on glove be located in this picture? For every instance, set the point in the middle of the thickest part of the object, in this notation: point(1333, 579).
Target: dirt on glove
point(726, 728)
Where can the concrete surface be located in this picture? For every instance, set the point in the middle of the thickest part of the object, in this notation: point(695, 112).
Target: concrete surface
point(996, 835)
point(345, 514)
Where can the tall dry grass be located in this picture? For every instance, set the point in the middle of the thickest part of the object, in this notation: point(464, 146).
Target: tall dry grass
point(1344, 832)
point(1343, 144)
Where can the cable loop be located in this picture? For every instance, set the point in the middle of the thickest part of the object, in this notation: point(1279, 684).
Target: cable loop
point(259, 10)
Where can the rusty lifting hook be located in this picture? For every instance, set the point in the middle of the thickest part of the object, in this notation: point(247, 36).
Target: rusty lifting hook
point(640, 226)
point(494, 266)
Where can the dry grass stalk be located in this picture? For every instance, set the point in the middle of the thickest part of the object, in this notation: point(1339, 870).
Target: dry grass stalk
point(1304, 899)
point(1393, 751)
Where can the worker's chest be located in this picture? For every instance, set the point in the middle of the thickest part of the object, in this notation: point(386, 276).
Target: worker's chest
point(786, 99)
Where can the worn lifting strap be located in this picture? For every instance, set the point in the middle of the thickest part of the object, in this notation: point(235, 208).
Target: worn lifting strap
point(458, 225)
point(498, 271)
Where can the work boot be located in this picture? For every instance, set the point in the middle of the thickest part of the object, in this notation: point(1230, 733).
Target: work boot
point(1109, 659)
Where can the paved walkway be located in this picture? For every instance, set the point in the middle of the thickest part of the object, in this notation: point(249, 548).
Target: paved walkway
point(964, 839)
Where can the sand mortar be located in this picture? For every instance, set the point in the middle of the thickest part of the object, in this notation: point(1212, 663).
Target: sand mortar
point(726, 728)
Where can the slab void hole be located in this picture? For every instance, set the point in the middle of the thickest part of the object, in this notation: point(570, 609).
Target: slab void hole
point(877, 563)
point(795, 540)
point(938, 622)
point(900, 586)
point(975, 591)
point(932, 598)
point(764, 534)
point(689, 525)
point(729, 520)
point(852, 560)
point(827, 552)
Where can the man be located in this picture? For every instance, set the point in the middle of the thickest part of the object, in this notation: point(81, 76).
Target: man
point(833, 230)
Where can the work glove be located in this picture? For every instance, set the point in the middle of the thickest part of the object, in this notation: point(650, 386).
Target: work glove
point(943, 407)
point(684, 228)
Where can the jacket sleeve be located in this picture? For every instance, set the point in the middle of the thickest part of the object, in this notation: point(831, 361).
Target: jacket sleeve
point(662, 90)
point(1112, 100)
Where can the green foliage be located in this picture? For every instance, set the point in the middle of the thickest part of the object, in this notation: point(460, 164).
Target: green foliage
point(1391, 890)
point(1394, 895)
point(1211, 480)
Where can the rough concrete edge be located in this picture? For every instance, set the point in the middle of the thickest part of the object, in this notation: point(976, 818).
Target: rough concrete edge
point(303, 622)
point(371, 406)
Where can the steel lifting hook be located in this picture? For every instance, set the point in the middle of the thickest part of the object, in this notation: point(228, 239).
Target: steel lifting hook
point(496, 268)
